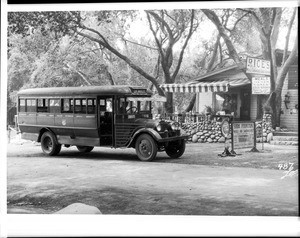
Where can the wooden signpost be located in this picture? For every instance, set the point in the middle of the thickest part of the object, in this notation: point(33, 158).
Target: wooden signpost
point(243, 135)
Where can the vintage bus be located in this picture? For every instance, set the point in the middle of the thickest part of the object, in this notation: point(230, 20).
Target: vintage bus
point(85, 117)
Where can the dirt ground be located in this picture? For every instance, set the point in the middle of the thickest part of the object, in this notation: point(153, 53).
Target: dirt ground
point(116, 182)
point(268, 156)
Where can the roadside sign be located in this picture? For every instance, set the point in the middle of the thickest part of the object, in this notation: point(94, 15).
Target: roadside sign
point(225, 128)
point(261, 85)
point(243, 135)
point(258, 66)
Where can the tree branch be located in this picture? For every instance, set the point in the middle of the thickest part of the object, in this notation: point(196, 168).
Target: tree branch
point(235, 24)
point(154, 34)
point(213, 57)
point(284, 69)
point(183, 47)
point(288, 36)
point(214, 18)
point(132, 42)
point(256, 18)
point(162, 21)
point(126, 59)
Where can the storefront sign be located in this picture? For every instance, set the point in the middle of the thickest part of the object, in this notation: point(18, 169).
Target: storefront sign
point(243, 135)
point(258, 66)
point(261, 85)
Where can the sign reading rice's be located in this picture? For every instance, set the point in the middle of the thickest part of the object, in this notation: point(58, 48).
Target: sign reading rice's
point(258, 66)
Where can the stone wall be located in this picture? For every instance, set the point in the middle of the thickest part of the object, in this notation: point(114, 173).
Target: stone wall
point(209, 131)
point(205, 131)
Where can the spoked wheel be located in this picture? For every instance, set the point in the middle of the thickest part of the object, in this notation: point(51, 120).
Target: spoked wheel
point(175, 149)
point(85, 149)
point(49, 144)
point(146, 147)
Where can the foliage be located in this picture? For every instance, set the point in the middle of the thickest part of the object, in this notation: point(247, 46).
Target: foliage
point(267, 23)
point(67, 48)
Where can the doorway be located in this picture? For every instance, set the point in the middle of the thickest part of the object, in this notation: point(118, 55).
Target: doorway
point(245, 104)
point(105, 120)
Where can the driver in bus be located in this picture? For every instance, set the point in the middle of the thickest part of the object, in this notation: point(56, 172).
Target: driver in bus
point(123, 108)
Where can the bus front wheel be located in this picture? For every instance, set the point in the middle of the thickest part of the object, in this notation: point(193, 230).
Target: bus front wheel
point(49, 144)
point(146, 148)
point(85, 149)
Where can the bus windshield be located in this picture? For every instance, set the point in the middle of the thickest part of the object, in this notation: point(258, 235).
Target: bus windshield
point(133, 105)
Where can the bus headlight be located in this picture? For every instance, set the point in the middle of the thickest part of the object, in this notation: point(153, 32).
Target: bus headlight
point(175, 126)
point(158, 127)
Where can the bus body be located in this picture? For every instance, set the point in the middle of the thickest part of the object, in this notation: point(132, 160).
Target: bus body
point(111, 116)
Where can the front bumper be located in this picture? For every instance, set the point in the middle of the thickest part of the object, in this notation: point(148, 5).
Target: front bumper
point(173, 138)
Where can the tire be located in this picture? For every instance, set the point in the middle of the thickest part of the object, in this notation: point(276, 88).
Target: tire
point(85, 149)
point(49, 144)
point(146, 147)
point(175, 149)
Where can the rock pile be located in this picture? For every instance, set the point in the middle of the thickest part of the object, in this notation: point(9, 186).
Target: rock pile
point(204, 131)
point(264, 130)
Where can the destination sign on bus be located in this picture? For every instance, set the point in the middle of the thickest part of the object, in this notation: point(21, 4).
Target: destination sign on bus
point(139, 91)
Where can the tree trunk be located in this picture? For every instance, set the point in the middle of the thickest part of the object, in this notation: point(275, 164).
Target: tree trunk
point(169, 103)
point(275, 98)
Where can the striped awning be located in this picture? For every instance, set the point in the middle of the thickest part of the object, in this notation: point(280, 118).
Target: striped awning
point(205, 86)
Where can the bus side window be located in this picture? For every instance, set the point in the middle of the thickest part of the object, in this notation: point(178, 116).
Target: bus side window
point(109, 105)
point(67, 105)
point(80, 106)
point(22, 105)
point(54, 106)
point(91, 106)
point(42, 105)
point(31, 105)
point(83, 106)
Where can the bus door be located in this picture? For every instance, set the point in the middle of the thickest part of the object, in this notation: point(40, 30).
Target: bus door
point(105, 120)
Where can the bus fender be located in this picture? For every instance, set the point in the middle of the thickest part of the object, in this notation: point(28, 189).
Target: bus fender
point(148, 131)
point(42, 131)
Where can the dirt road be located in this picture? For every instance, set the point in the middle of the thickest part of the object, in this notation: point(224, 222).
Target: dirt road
point(117, 183)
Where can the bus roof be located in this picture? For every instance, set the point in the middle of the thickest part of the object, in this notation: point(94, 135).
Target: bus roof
point(86, 90)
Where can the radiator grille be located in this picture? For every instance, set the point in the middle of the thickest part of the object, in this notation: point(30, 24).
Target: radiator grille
point(124, 133)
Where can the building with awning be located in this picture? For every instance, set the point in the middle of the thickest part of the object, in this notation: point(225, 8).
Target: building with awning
point(231, 82)
point(215, 87)
point(205, 86)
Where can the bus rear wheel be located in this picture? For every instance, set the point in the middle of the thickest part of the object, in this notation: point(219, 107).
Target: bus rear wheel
point(49, 144)
point(146, 148)
point(85, 149)
point(175, 149)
